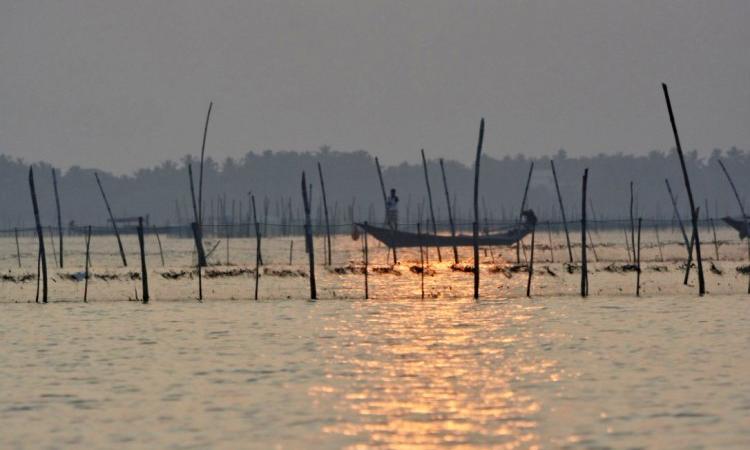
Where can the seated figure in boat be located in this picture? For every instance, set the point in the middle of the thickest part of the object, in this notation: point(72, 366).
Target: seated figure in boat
point(529, 218)
point(391, 210)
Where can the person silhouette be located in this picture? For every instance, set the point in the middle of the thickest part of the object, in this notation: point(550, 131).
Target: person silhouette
point(391, 210)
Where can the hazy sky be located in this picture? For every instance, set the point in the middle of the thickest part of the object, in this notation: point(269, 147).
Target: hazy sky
point(125, 84)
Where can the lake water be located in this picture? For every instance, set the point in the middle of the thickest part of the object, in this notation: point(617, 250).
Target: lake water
point(667, 370)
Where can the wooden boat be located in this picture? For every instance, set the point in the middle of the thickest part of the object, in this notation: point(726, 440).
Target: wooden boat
point(395, 238)
point(738, 224)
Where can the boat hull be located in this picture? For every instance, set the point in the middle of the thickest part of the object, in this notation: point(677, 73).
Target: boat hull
point(401, 239)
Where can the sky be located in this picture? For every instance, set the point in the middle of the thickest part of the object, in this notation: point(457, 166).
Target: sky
point(120, 85)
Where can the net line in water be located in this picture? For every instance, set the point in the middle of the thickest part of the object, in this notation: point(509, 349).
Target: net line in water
point(231, 248)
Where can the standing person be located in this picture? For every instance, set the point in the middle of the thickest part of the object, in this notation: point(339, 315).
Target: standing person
point(391, 210)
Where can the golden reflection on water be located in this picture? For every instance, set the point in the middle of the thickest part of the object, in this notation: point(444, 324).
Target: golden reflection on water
point(434, 374)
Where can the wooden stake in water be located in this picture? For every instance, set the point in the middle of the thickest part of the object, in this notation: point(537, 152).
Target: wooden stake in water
point(114, 222)
point(487, 230)
point(593, 247)
point(531, 261)
point(450, 211)
point(658, 243)
point(632, 223)
point(144, 271)
point(584, 262)
point(197, 238)
point(693, 210)
point(627, 245)
point(421, 258)
point(88, 263)
point(18, 247)
point(429, 197)
point(679, 218)
point(367, 259)
point(258, 230)
point(710, 221)
point(523, 208)
point(257, 251)
point(688, 242)
point(325, 212)
point(549, 235)
point(291, 250)
point(42, 261)
point(562, 212)
point(158, 241)
point(52, 242)
point(638, 262)
point(200, 176)
point(309, 240)
point(197, 232)
point(38, 273)
point(476, 210)
point(59, 216)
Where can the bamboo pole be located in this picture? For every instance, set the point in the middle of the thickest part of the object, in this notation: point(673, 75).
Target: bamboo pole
point(632, 223)
point(713, 229)
point(112, 218)
point(258, 230)
point(38, 273)
point(197, 237)
point(450, 212)
point(429, 197)
point(192, 192)
point(562, 212)
point(584, 262)
point(87, 264)
point(52, 244)
point(638, 262)
point(693, 210)
point(679, 218)
point(742, 210)
point(385, 202)
point(367, 257)
point(689, 260)
point(59, 216)
point(42, 257)
point(227, 225)
point(309, 240)
point(476, 210)
point(627, 245)
point(144, 271)
point(658, 243)
point(158, 241)
point(257, 250)
point(531, 261)
point(593, 247)
point(200, 176)
point(18, 247)
point(523, 207)
point(325, 212)
point(421, 258)
point(549, 236)
point(197, 230)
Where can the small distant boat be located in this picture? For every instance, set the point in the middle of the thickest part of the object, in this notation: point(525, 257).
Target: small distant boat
point(738, 224)
point(397, 239)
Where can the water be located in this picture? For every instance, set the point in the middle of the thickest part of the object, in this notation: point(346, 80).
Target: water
point(547, 373)
point(554, 371)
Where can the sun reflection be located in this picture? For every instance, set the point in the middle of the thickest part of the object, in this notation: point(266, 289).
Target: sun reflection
point(433, 374)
